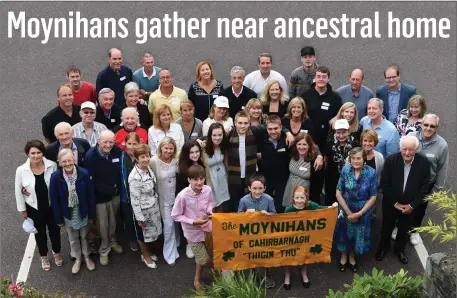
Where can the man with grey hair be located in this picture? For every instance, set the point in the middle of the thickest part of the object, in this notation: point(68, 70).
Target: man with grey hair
point(237, 94)
point(258, 79)
point(130, 123)
point(147, 77)
point(387, 133)
point(114, 76)
point(88, 129)
point(405, 182)
point(433, 147)
point(108, 113)
point(356, 92)
point(167, 94)
point(103, 165)
point(64, 134)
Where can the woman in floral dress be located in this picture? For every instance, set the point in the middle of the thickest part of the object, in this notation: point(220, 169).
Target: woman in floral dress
point(356, 194)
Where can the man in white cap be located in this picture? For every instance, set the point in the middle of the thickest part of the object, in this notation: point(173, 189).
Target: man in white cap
point(219, 113)
point(88, 129)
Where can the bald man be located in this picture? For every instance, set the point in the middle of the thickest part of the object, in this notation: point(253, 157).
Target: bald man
point(66, 111)
point(63, 133)
point(405, 182)
point(115, 76)
point(103, 164)
point(356, 92)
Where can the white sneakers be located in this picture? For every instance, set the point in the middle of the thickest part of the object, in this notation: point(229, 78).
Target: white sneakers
point(189, 252)
point(89, 263)
point(153, 265)
point(415, 239)
point(76, 266)
point(394, 233)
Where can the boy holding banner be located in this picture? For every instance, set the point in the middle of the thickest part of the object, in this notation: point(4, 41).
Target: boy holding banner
point(193, 208)
point(257, 200)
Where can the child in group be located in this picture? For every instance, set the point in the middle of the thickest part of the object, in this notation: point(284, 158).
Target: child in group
point(193, 208)
point(301, 202)
point(257, 200)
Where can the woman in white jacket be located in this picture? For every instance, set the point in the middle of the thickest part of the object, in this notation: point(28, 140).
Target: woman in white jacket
point(32, 199)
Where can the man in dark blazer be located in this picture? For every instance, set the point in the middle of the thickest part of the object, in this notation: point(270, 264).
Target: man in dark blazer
point(394, 93)
point(237, 94)
point(405, 181)
point(64, 135)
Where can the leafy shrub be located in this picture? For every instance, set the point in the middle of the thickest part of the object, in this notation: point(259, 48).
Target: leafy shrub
point(238, 286)
point(379, 285)
point(446, 202)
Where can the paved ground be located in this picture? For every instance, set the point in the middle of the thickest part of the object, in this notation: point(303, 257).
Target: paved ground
point(31, 72)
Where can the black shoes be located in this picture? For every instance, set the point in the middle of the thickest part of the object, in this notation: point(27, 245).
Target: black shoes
point(353, 267)
point(402, 257)
point(287, 287)
point(307, 284)
point(343, 267)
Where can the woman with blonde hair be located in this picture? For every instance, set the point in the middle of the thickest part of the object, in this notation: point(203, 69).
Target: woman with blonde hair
point(274, 100)
point(219, 114)
point(191, 126)
point(254, 109)
point(164, 168)
point(410, 119)
point(163, 127)
point(296, 120)
point(204, 90)
point(349, 112)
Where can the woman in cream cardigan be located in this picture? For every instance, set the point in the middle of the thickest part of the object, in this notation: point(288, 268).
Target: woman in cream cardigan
point(32, 199)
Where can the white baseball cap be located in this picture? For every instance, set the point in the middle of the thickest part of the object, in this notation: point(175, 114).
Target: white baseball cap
point(222, 102)
point(341, 124)
point(88, 105)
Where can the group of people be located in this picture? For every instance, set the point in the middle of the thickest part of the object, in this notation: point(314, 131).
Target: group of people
point(138, 148)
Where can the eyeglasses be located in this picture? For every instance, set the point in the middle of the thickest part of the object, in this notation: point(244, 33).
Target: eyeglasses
point(429, 125)
point(89, 112)
point(391, 78)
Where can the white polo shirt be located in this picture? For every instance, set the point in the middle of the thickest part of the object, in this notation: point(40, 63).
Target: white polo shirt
point(256, 82)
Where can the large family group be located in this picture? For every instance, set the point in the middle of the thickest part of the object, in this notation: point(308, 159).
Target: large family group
point(138, 148)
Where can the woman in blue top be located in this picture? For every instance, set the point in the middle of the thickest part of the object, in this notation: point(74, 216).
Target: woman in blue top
point(356, 193)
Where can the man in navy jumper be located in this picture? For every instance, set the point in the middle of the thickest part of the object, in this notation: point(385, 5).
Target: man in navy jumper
point(115, 76)
point(103, 165)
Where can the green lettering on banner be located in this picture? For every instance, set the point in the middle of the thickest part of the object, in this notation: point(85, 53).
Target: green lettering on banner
point(255, 228)
point(310, 225)
point(321, 223)
point(265, 226)
point(259, 255)
point(306, 240)
point(244, 229)
point(275, 227)
point(290, 226)
point(301, 226)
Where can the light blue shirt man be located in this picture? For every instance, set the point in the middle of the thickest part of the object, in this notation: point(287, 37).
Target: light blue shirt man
point(388, 137)
point(361, 101)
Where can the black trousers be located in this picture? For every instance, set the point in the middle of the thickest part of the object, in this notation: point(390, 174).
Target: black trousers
point(41, 220)
point(238, 194)
point(419, 212)
point(276, 191)
point(331, 182)
point(390, 215)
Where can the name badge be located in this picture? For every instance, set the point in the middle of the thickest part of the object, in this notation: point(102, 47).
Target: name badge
point(323, 126)
point(326, 104)
point(243, 107)
point(304, 130)
point(379, 137)
point(113, 120)
point(123, 143)
point(175, 101)
point(123, 78)
point(324, 107)
point(215, 95)
point(115, 160)
point(282, 150)
point(194, 134)
point(431, 155)
point(303, 169)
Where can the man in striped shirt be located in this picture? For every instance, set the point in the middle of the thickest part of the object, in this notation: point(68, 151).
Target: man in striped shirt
point(88, 129)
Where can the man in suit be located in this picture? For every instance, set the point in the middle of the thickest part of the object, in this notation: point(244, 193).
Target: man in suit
point(64, 134)
point(405, 182)
point(394, 93)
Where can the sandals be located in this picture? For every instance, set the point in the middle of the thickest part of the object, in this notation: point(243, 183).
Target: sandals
point(58, 260)
point(45, 264)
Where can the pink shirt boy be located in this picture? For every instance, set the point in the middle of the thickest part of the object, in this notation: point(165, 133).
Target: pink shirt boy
point(190, 206)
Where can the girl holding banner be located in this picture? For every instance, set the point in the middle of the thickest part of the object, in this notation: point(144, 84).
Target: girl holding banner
point(300, 202)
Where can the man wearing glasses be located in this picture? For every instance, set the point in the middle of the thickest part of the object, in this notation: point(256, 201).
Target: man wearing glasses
point(394, 93)
point(88, 129)
point(167, 94)
point(435, 149)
